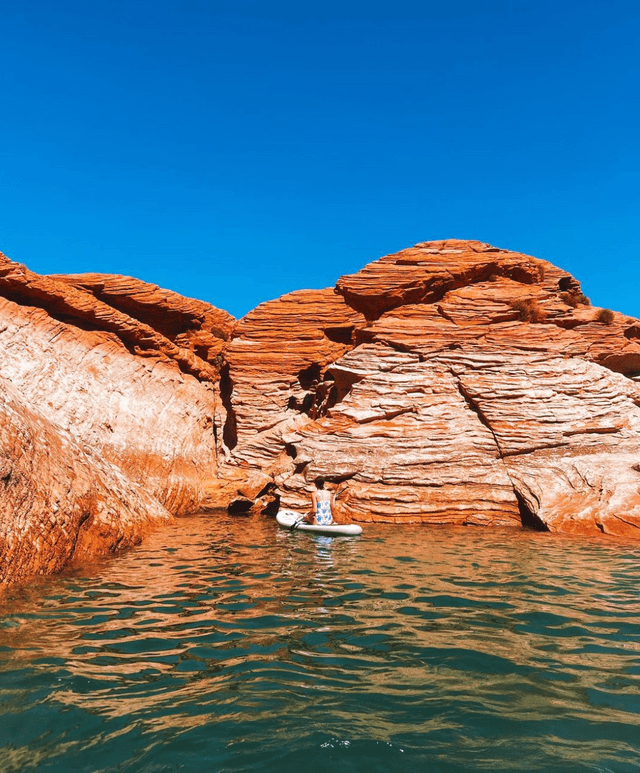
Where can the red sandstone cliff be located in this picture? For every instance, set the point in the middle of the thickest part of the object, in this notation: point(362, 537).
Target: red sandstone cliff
point(450, 383)
point(108, 413)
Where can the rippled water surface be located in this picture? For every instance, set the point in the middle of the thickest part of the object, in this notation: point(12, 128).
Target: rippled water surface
point(225, 645)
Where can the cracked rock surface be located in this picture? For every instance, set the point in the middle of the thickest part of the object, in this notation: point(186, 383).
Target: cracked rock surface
point(478, 387)
point(450, 383)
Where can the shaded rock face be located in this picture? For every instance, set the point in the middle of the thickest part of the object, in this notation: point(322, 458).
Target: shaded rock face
point(110, 424)
point(471, 385)
point(450, 383)
point(188, 323)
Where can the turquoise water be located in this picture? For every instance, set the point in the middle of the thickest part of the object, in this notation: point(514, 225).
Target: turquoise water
point(225, 645)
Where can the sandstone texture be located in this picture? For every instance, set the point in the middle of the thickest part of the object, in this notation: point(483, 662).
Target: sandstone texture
point(450, 383)
point(110, 424)
point(60, 499)
point(275, 365)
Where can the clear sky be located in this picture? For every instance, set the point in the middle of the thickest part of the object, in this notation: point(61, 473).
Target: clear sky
point(234, 151)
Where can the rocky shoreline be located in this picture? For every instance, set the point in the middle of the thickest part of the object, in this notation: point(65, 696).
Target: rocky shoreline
point(449, 383)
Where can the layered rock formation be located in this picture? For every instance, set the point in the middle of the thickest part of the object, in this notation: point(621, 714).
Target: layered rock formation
point(274, 367)
point(450, 383)
point(109, 422)
point(474, 386)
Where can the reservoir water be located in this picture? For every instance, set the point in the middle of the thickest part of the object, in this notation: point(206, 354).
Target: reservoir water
point(223, 644)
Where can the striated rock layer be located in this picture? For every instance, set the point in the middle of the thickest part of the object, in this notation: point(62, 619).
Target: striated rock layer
point(60, 499)
point(467, 385)
point(110, 424)
point(450, 383)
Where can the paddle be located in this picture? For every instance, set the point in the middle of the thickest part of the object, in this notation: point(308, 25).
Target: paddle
point(297, 522)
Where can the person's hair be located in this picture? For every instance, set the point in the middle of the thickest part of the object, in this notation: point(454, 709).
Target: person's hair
point(320, 481)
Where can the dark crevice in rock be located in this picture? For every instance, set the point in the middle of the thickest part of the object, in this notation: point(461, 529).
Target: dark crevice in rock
point(632, 332)
point(473, 406)
point(310, 380)
point(230, 430)
point(321, 394)
point(340, 334)
point(333, 398)
point(568, 284)
point(308, 377)
point(290, 450)
point(240, 506)
point(343, 382)
point(301, 406)
point(265, 502)
point(326, 394)
point(527, 517)
point(273, 506)
point(270, 499)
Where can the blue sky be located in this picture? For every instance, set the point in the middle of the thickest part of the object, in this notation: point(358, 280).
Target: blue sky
point(234, 151)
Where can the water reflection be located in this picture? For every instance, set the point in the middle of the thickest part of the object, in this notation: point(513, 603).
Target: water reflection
point(228, 641)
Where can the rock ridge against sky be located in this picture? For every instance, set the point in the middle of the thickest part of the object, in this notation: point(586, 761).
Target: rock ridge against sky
point(449, 383)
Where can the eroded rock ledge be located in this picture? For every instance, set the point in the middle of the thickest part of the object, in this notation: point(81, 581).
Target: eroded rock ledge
point(450, 383)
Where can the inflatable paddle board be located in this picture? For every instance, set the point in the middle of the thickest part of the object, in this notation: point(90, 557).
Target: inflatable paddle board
point(287, 519)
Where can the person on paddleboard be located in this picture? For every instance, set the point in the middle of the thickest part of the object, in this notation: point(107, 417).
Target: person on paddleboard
point(323, 503)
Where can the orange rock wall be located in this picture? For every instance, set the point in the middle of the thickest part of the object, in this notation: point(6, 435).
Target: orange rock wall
point(60, 500)
point(275, 364)
point(449, 383)
point(135, 412)
point(479, 387)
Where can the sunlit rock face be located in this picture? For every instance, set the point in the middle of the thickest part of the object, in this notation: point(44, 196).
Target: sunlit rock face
point(108, 420)
point(275, 365)
point(470, 385)
point(450, 383)
point(60, 499)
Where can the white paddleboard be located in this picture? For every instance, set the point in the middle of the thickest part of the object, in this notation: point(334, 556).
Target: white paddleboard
point(288, 519)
